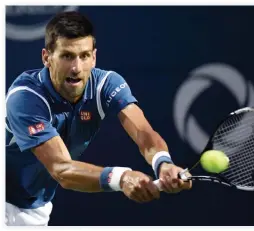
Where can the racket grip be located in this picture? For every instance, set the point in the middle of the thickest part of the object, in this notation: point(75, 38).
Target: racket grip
point(182, 175)
point(157, 183)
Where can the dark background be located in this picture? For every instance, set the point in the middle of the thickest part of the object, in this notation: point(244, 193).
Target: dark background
point(156, 49)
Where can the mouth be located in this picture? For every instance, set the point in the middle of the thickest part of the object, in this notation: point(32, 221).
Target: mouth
point(73, 81)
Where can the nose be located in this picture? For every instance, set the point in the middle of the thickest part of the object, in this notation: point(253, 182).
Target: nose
point(76, 66)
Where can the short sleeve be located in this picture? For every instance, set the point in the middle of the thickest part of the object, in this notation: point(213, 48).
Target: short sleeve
point(115, 94)
point(29, 118)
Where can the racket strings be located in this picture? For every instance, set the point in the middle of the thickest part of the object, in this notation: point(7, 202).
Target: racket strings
point(235, 137)
point(240, 171)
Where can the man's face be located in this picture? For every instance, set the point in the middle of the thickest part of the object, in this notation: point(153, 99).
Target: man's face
point(70, 66)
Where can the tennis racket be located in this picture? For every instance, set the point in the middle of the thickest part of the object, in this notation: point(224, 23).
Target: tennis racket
point(235, 137)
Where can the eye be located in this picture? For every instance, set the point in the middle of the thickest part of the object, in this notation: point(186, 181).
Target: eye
point(85, 56)
point(67, 56)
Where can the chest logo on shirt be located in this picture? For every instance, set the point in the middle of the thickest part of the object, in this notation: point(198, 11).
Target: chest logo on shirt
point(85, 115)
point(33, 129)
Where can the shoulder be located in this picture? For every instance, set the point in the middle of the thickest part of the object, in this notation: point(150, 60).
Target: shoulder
point(27, 103)
point(27, 83)
point(28, 78)
point(27, 90)
point(106, 76)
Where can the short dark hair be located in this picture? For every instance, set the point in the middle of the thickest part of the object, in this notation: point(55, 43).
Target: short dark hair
point(68, 24)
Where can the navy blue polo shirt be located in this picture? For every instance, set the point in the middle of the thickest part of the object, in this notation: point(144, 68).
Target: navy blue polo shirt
point(36, 113)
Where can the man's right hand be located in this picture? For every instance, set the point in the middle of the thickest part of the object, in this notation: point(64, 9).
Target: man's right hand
point(139, 187)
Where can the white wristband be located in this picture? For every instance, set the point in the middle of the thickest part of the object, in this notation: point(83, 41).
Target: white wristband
point(157, 156)
point(117, 172)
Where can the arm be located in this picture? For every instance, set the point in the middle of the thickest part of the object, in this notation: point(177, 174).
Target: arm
point(149, 141)
point(30, 121)
point(70, 174)
point(153, 148)
point(86, 177)
point(117, 98)
point(29, 117)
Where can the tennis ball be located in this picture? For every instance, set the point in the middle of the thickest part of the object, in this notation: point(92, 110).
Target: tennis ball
point(214, 161)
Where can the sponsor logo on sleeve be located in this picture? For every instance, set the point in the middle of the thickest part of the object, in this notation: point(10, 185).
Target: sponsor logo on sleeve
point(115, 92)
point(34, 129)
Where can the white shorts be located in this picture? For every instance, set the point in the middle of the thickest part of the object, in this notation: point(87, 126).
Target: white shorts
point(15, 216)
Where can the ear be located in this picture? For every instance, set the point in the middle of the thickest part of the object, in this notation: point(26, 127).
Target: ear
point(94, 57)
point(45, 57)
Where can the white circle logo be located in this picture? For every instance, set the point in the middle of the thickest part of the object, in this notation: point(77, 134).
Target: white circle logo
point(34, 30)
point(200, 80)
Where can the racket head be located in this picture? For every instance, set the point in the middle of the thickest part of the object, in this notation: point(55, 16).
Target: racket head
point(235, 137)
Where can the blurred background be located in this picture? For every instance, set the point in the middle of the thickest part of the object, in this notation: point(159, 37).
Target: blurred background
point(188, 67)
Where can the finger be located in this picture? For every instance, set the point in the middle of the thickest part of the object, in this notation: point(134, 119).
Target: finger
point(148, 188)
point(177, 184)
point(153, 190)
point(133, 193)
point(165, 186)
point(137, 194)
point(174, 183)
point(187, 185)
point(180, 183)
point(140, 193)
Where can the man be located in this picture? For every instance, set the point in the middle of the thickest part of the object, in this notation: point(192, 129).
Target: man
point(54, 113)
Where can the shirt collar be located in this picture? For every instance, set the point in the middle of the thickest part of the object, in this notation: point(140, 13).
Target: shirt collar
point(44, 78)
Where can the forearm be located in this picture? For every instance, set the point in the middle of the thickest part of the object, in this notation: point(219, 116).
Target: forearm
point(153, 148)
point(150, 143)
point(135, 124)
point(76, 175)
point(79, 176)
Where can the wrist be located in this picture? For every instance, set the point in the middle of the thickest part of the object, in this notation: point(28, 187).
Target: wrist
point(110, 178)
point(158, 159)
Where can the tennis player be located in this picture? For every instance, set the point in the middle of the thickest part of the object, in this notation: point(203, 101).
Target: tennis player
point(54, 113)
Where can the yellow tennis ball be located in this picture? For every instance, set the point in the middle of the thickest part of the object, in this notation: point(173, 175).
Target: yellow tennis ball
point(214, 161)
